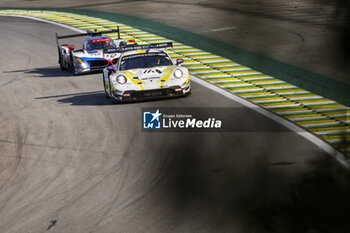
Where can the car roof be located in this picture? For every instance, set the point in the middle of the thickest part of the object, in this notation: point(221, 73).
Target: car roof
point(143, 51)
point(97, 37)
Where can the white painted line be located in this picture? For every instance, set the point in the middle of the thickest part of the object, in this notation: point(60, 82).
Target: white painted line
point(257, 95)
point(252, 79)
point(223, 29)
point(225, 80)
point(317, 102)
point(339, 115)
point(47, 21)
point(232, 84)
point(332, 123)
point(306, 118)
point(215, 60)
point(290, 125)
point(321, 110)
point(221, 65)
point(290, 92)
point(345, 140)
point(207, 76)
point(303, 98)
point(205, 55)
point(268, 101)
point(247, 90)
point(333, 131)
point(293, 112)
point(282, 105)
point(253, 88)
point(245, 73)
point(185, 49)
point(232, 68)
point(202, 56)
point(203, 72)
point(279, 87)
point(266, 83)
point(191, 62)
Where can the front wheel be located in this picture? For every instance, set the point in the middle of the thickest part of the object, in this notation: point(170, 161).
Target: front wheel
point(75, 73)
point(104, 85)
point(61, 63)
point(62, 67)
point(188, 93)
point(114, 101)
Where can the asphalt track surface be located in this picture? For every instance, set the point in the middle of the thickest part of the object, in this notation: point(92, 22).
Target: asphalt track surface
point(73, 162)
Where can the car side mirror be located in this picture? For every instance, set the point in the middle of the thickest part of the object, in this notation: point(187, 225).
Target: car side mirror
point(179, 61)
point(71, 47)
point(110, 68)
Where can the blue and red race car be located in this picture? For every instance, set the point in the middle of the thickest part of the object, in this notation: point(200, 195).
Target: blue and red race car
point(91, 56)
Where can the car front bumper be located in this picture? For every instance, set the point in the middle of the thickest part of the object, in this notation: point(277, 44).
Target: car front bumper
point(132, 95)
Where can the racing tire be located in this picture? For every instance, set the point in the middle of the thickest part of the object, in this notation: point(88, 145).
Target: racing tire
point(60, 62)
point(114, 101)
point(62, 67)
point(75, 73)
point(72, 64)
point(104, 85)
point(188, 93)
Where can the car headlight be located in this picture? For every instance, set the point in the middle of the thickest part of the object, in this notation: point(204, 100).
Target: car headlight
point(80, 63)
point(121, 79)
point(178, 73)
point(79, 60)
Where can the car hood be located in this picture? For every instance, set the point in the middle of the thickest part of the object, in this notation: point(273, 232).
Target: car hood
point(149, 78)
point(96, 54)
point(146, 74)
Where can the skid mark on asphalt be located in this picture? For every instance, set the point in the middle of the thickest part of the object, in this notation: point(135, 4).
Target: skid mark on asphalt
point(20, 140)
point(325, 118)
point(5, 141)
point(52, 223)
point(18, 78)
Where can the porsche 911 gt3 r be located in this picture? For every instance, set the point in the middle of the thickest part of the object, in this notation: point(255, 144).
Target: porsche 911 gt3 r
point(91, 56)
point(144, 72)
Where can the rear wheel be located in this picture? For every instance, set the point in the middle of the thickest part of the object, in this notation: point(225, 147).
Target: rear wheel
point(114, 101)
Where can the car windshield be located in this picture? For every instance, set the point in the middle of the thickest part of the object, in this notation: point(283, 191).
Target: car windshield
point(144, 60)
point(108, 44)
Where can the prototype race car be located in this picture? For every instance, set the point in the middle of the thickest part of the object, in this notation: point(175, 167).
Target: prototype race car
point(91, 56)
point(145, 72)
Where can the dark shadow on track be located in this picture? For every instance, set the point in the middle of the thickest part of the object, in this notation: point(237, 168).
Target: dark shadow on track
point(44, 72)
point(49, 72)
point(319, 202)
point(264, 197)
point(94, 98)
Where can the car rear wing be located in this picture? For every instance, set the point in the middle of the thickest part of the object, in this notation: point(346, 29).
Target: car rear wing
point(88, 33)
point(137, 47)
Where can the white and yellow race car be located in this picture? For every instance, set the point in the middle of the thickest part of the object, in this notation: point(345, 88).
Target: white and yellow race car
point(145, 72)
